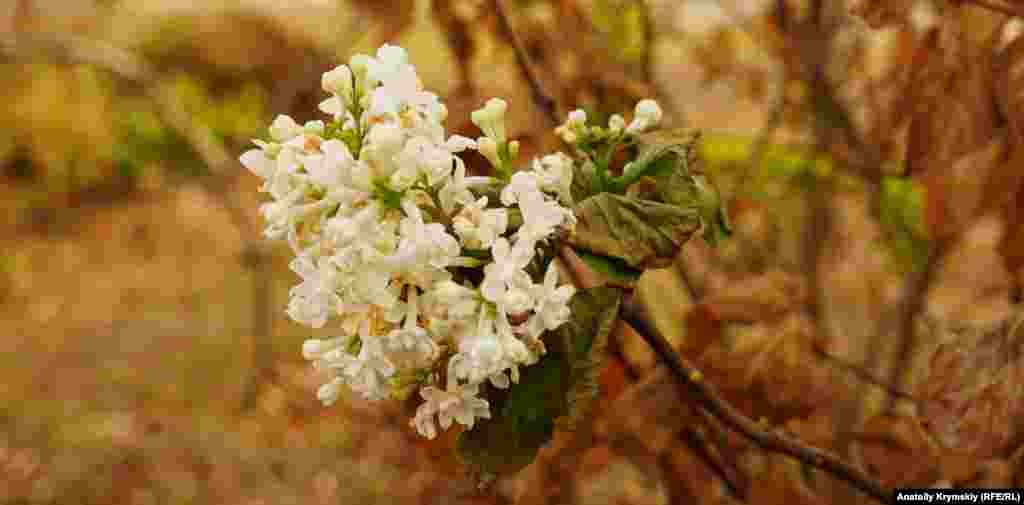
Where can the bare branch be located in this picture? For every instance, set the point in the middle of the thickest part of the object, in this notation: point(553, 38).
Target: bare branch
point(1009, 10)
point(691, 379)
point(544, 100)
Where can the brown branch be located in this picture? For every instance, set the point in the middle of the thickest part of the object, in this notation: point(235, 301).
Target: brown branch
point(544, 100)
point(705, 450)
point(1010, 10)
point(707, 396)
point(918, 285)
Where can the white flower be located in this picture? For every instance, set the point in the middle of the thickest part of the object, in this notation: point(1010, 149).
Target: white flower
point(383, 142)
point(389, 60)
point(313, 301)
point(400, 90)
point(457, 191)
point(646, 116)
point(314, 128)
point(329, 392)
point(257, 162)
point(478, 226)
point(458, 143)
point(552, 308)
point(555, 173)
point(507, 269)
point(331, 168)
point(574, 127)
point(284, 128)
point(448, 299)
point(424, 250)
point(491, 119)
point(367, 372)
point(411, 345)
point(333, 106)
point(490, 349)
point(521, 184)
point(338, 82)
point(541, 216)
point(315, 349)
point(459, 403)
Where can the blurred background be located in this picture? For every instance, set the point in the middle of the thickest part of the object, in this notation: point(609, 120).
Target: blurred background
point(869, 153)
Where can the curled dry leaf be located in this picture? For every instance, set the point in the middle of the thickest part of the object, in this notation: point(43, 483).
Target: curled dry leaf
point(973, 285)
point(970, 185)
point(758, 298)
point(881, 13)
point(1010, 96)
point(973, 397)
point(898, 450)
point(643, 233)
point(772, 370)
point(955, 118)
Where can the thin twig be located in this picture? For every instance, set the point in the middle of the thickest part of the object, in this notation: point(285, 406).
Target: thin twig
point(704, 449)
point(1009, 10)
point(918, 285)
point(545, 101)
point(706, 394)
point(709, 398)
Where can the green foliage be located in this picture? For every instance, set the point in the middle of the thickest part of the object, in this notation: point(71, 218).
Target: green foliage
point(524, 419)
point(669, 158)
point(613, 271)
point(586, 336)
point(145, 141)
point(902, 216)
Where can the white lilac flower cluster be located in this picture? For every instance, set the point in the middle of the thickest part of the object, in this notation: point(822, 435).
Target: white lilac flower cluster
point(384, 222)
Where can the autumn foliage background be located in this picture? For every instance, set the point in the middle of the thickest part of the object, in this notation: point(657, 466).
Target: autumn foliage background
point(871, 154)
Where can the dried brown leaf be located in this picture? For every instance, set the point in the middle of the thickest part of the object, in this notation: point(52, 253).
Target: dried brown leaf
point(762, 297)
point(771, 370)
point(973, 398)
point(881, 13)
point(954, 117)
point(897, 449)
point(1010, 85)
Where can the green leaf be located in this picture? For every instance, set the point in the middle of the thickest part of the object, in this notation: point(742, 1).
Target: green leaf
point(585, 336)
point(643, 233)
point(669, 157)
point(585, 181)
point(560, 385)
point(713, 213)
point(902, 215)
point(661, 153)
point(613, 271)
point(523, 418)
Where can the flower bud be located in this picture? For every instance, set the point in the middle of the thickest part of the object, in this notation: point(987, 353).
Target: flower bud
point(491, 118)
point(489, 148)
point(338, 82)
point(513, 149)
point(284, 128)
point(616, 124)
point(646, 116)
